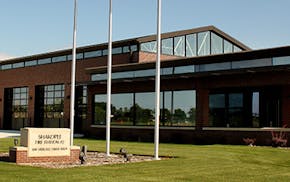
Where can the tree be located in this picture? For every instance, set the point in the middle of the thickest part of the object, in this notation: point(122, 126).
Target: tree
point(179, 115)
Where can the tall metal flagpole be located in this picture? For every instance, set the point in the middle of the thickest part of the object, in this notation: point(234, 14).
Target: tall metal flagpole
point(109, 65)
point(157, 82)
point(73, 76)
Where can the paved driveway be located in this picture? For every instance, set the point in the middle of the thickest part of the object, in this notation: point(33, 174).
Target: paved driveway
point(9, 133)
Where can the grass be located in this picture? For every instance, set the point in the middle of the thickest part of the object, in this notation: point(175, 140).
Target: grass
point(191, 163)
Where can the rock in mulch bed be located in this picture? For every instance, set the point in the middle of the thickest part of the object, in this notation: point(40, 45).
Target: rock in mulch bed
point(92, 159)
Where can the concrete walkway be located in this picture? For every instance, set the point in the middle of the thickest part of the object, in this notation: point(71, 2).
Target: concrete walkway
point(9, 133)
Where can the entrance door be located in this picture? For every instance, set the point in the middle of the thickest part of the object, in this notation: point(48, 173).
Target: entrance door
point(8, 97)
point(271, 107)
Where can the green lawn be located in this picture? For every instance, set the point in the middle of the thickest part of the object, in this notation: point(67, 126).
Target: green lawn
point(192, 163)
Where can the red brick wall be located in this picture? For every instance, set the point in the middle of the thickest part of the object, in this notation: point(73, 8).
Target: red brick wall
point(151, 57)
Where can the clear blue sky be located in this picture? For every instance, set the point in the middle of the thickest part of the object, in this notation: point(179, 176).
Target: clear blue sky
point(37, 26)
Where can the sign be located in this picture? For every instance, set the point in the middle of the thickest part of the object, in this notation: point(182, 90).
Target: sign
point(46, 142)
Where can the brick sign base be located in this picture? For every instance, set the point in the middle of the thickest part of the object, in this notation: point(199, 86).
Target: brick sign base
point(19, 155)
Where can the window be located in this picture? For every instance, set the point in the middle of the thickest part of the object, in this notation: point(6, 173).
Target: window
point(216, 44)
point(18, 65)
point(167, 71)
point(99, 77)
point(149, 46)
point(184, 107)
point(144, 108)
point(105, 52)
point(214, 66)
point(281, 60)
point(228, 47)
point(203, 44)
point(19, 107)
point(144, 73)
point(92, 54)
point(235, 110)
point(44, 61)
point(191, 45)
point(252, 63)
point(78, 56)
point(179, 46)
point(184, 69)
point(122, 109)
point(217, 110)
point(117, 50)
point(126, 74)
point(53, 106)
point(177, 108)
point(59, 59)
point(30, 63)
point(256, 109)
point(133, 48)
point(6, 66)
point(167, 46)
point(237, 49)
point(100, 109)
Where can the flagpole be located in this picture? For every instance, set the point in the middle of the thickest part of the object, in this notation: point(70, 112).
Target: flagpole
point(73, 76)
point(157, 83)
point(109, 73)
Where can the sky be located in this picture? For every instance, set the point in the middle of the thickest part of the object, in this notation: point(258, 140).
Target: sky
point(29, 27)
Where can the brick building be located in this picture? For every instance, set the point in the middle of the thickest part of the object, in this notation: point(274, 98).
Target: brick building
point(214, 89)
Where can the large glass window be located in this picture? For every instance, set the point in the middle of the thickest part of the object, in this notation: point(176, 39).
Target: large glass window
point(144, 108)
point(177, 108)
point(235, 110)
point(100, 109)
point(19, 108)
point(203, 44)
point(216, 44)
point(53, 106)
point(184, 107)
point(217, 107)
point(122, 109)
point(179, 46)
point(191, 45)
point(167, 46)
point(229, 110)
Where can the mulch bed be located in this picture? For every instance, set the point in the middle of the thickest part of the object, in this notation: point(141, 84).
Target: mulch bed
point(92, 159)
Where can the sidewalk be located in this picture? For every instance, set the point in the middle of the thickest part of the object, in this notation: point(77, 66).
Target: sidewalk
point(9, 133)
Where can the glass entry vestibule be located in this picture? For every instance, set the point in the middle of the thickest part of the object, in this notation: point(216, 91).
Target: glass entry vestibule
point(246, 108)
